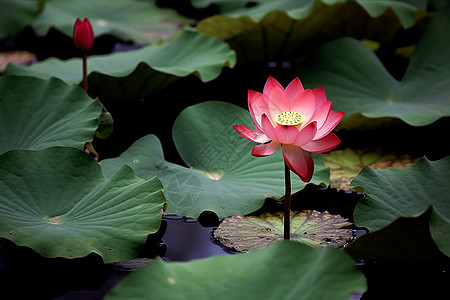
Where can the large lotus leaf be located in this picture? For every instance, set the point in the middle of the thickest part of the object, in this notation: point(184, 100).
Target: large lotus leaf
point(296, 9)
point(359, 83)
point(223, 177)
point(285, 270)
point(36, 114)
point(15, 15)
point(408, 191)
point(57, 202)
point(275, 30)
point(136, 74)
point(405, 240)
point(317, 229)
point(140, 21)
point(405, 10)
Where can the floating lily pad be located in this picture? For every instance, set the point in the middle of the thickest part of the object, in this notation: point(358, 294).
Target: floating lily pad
point(136, 74)
point(222, 176)
point(358, 82)
point(274, 30)
point(57, 202)
point(139, 21)
point(36, 114)
point(286, 270)
point(407, 192)
point(317, 229)
point(346, 164)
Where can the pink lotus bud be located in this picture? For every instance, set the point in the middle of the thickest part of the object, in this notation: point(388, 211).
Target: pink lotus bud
point(83, 35)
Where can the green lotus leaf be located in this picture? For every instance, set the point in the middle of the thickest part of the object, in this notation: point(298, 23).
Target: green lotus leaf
point(15, 15)
point(274, 30)
point(317, 229)
point(301, 272)
point(140, 21)
point(57, 202)
point(36, 114)
point(407, 192)
point(296, 9)
point(359, 83)
point(136, 74)
point(406, 240)
point(223, 177)
point(404, 10)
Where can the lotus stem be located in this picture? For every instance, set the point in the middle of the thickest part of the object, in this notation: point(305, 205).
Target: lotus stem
point(287, 203)
point(85, 80)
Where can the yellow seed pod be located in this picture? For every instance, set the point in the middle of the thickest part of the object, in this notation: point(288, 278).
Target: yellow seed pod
point(289, 118)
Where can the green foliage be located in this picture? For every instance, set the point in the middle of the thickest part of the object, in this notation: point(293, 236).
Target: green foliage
point(406, 240)
point(276, 30)
point(135, 74)
point(223, 177)
point(301, 272)
point(24, 13)
point(140, 21)
point(407, 192)
point(355, 78)
point(57, 202)
point(404, 10)
point(36, 114)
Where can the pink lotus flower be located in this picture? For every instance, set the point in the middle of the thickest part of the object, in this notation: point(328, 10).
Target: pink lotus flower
point(83, 35)
point(298, 120)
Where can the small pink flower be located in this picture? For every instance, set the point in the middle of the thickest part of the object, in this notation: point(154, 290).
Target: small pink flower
point(83, 35)
point(298, 120)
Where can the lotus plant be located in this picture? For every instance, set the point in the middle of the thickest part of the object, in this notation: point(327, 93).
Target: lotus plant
point(83, 37)
point(299, 121)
